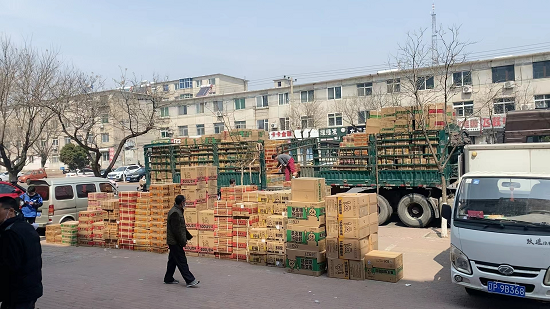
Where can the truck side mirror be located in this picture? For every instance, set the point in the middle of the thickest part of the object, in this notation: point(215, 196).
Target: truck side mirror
point(446, 211)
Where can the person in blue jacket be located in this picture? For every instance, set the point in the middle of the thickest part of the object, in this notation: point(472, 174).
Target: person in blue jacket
point(31, 201)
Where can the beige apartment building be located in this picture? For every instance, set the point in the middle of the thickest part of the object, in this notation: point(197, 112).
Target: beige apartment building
point(481, 92)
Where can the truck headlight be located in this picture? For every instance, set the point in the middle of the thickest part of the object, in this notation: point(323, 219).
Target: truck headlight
point(460, 261)
point(547, 277)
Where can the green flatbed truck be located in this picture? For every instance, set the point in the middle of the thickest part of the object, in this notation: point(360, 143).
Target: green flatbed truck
point(398, 166)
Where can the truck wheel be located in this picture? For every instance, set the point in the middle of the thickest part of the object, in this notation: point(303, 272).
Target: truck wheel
point(415, 211)
point(384, 209)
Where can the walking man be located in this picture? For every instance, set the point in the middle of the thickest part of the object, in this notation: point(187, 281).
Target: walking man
point(32, 201)
point(287, 163)
point(177, 236)
point(20, 259)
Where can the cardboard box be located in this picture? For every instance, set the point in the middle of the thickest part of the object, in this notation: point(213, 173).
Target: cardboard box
point(277, 247)
point(191, 218)
point(206, 220)
point(245, 209)
point(337, 268)
point(194, 197)
point(257, 246)
point(320, 246)
point(276, 233)
point(276, 260)
point(356, 228)
point(373, 223)
point(257, 259)
point(312, 263)
point(258, 233)
point(190, 175)
point(206, 241)
point(353, 205)
point(305, 235)
point(347, 248)
point(311, 213)
point(277, 221)
point(193, 243)
point(384, 266)
point(308, 189)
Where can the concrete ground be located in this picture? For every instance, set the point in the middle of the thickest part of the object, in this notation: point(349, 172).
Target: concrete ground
point(79, 277)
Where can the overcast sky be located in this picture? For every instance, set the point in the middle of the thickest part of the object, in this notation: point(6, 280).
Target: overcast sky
point(261, 40)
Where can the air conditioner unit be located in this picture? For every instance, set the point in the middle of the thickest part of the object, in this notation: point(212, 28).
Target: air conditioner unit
point(524, 107)
point(467, 89)
point(274, 126)
point(219, 114)
point(509, 85)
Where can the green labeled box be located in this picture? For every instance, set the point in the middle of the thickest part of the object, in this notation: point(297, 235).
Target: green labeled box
point(312, 263)
point(305, 235)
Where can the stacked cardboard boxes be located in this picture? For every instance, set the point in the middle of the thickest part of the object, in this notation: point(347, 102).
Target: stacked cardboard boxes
point(95, 198)
point(126, 219)
point(223, 228)
point(52, 233)
point(245, 219)
point(352, 232)
point(142, 226)
point(211, 186)
point(160, 203)
point(306, 235)
point(276, 240)
point(86, 222)
point(69, 233)
point(384, 266)
point(110, 208)
point(206, 226)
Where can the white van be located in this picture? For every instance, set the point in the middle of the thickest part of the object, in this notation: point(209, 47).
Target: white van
point(500, 222)
point(64, 198)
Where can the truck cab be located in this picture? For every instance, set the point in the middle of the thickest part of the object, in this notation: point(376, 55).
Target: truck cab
point(500, 221)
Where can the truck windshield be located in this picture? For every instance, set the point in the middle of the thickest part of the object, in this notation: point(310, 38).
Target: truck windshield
point(517, 201)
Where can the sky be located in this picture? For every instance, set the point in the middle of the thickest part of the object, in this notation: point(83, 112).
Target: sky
point(261, 40)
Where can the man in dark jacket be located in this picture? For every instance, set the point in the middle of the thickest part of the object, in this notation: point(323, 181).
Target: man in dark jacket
point(177, 236)
point(20, 259)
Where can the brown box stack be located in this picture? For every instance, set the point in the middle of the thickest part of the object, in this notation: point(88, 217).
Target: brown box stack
point(306, 235)
point(161, 202)
point(142, 226)
point(352, 232)
point(223, 229)
point(110, 208)
point(69, 233)
point(95, 198)
point(52, 231)
point(211, 186)
point(127, 219)
point(193, 186)
point(86, 220)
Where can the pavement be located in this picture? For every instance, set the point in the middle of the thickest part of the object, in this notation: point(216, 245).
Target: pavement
point(82, 277)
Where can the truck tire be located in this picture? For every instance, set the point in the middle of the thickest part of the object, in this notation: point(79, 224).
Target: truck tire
point(414, 210)
point(384, 210)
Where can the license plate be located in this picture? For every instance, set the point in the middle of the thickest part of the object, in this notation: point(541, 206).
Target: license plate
point(39, 214)
point(506, 289)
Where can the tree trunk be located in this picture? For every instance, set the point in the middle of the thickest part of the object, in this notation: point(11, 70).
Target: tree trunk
point(43, 160)
point(444, 232)
point(13, 176)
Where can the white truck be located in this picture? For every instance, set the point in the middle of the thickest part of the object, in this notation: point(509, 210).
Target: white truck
point(500, 221)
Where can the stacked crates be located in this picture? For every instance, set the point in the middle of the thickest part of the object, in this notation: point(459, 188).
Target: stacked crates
point(127, 217)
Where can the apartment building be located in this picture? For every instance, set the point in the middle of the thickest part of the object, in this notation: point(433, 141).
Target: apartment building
point(201, 86)
point(481, 92)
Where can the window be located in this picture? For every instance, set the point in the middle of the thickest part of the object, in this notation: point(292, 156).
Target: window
point(425, 82)
point(279, 84)
point(212, 81)
point(218, 106)
point(503, 105)
point(186, 83)
point(83, 190)
point(55, 159)
point(307, 122)
point(106, 187)
point(542, 101)
point(334, 119)
point(64, 192)
point(185, 96)
point(240, 124)
point(55, 142)
point(200, 108)
point(284, 124)
point(105, 118)
point(164, 112)
point(307, 96)
point(218, 128)
point(263, 124)
point(261, 101)
point(200, 129)
point(335, 93)
point(67, 140)
point(393, 85)
point(182, 110)
point(464, 109)
point(283, 98)
point(165, 88)
point(363, 116)
point(239, 104)
point(462, 78)
point(90, 139)
point(183, 131)
point(105, 156)
point(176, 86)
point(43, 143)
point(199, 83)
point(503, 74)
point(164, 133)
point(541, 69)
point(364, 89)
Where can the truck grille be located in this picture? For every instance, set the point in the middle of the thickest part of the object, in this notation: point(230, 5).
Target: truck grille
point(521, 272)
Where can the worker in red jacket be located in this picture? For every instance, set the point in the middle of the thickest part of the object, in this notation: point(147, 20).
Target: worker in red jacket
point(287, 163)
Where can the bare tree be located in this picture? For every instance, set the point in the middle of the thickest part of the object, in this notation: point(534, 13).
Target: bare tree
point(26, 79)
point(129, 111)
point(417, 66)
point(306, 115)
point(350, 107)
point(45, 146)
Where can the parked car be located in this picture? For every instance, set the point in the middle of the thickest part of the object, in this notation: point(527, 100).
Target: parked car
point(85, 172)
point(120, 173)
point(135, 175)
point(64, 198)
point(5, 176)
point(33, 175)
point(10, 189)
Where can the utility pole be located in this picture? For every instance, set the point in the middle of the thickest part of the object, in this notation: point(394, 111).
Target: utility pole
point(434, 37)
